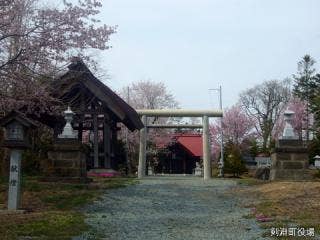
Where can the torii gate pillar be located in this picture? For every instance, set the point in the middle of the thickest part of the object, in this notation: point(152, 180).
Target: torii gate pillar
point(142, 148)
point(206, 148)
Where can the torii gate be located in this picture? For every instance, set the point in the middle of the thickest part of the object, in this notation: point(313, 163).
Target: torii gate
point(205, 114)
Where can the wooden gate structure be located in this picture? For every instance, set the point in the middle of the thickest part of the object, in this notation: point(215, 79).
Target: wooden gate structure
point(97, 109)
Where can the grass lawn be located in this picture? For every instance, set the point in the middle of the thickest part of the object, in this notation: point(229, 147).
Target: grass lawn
point(52, 209)
point(285, 204)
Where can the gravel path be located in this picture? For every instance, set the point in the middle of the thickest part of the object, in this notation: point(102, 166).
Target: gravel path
point(172, 208)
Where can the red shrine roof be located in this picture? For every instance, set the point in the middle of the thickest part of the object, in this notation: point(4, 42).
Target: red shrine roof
point(191, 142)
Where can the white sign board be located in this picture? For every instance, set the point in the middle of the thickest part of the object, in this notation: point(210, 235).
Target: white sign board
point(263, 161)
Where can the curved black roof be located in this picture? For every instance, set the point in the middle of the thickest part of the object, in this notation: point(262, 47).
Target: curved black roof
point(80, 75)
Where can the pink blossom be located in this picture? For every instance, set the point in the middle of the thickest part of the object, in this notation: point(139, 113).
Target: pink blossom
point(262, 218)
point(236, 126)
point(104, 175)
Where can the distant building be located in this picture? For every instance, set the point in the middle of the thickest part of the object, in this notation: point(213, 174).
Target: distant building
point(180, 156)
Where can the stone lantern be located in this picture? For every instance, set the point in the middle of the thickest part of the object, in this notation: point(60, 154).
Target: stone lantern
point(198, 170)
point(67, 155)
point(17, 130)
point(289, 157)
point(68, 131)
point(288, 131)
point(17, 137)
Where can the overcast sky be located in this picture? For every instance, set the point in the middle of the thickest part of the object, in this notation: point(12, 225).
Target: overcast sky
point(194, 45)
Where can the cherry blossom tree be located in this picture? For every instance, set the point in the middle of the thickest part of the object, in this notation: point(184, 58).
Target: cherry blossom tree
point(148, 95)
point(237, 126)
point(37, 39)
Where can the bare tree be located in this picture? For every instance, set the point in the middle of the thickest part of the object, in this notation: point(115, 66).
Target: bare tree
point(264, 103)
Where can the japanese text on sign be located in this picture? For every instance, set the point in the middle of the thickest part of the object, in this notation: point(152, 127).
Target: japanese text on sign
point(292, 231)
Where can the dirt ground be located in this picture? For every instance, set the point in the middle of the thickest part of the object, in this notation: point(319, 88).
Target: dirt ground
point(287, 203)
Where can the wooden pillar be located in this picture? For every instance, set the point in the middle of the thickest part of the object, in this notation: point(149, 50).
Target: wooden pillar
point(80, 128)
point(80, 132)
point(81, 117)
point(113, 143)
point(106, 142)
point(95, 141)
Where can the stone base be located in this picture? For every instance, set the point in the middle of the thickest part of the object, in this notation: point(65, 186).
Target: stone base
point(198, 172)
point(68, 161)
point(289, 143)
point(150, 171)
point(289, 161)
point(290, 174)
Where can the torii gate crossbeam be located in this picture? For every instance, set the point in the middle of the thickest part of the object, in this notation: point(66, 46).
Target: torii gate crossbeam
point(205, 114)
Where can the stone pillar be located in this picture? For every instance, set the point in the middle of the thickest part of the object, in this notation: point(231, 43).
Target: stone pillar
point(289, 161)
point(14, 194)
point(206, 149)
point(142, 148)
